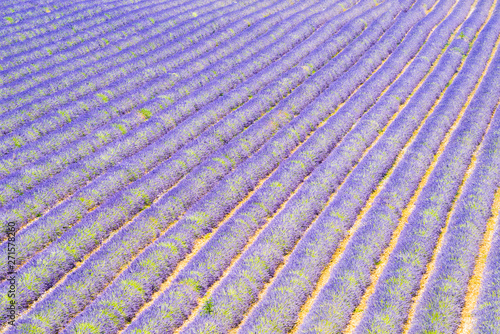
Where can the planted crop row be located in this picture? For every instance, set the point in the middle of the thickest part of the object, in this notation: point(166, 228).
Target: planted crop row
point(487, 311)
point(61, 62)
point(137, 165)
point(197, 184)
point(222, 85)
point(151, 157)
point(278, 310)
point(401, 277)
point(352, 273)
point(112, 214)
point(456, 259)
point(294, 171)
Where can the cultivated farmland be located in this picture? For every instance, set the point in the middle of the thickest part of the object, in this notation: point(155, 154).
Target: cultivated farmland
point(250, 166)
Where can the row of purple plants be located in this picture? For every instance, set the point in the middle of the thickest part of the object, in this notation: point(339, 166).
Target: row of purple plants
point(116, 291)
point(278, 310)
point(34, 237)
point(18, 182)
point(127, 203)
point(440, 305)
point(342, 118)
point(401, 277)
point(351, 274)
point(140, 163)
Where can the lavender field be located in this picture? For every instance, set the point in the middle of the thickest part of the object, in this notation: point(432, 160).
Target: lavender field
point(250, 166)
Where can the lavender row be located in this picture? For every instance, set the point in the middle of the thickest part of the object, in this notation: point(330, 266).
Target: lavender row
point(440, 305)
point(401, 278)
point(12, 7)
point(116, 248)
point(114, 107)
point(82, 54)
point(127, 203)
point(351, 275)
point(110, 56)
point(177, 301)
point(231, 299)
point(54, 17)
point(103, 160)
point(278, 310)
point(130, 16)
point(137, 165)
point(52, 53)
point(150, 131)
point(210, 262)
point(228, 196)
point(200, 182)
point(487, 311)
point(97, 117)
